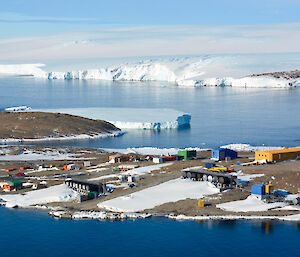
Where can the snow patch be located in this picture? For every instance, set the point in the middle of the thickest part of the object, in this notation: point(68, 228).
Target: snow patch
point(151, 150)
point(146, 169)
point(247, 177)
point(249, 148)
point(62, 138)
point(250, 204)
point(46, 154)
point(171, 191)
point(60, 193)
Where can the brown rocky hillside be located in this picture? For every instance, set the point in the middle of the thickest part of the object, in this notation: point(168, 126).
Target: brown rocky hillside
point(32, 125)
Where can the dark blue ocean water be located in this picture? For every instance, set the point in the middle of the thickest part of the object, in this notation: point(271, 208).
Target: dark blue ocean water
point(30, 233)
point(219, 115)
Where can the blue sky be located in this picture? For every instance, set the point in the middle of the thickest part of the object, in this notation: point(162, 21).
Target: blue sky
point(218, 26)
point(154, 12)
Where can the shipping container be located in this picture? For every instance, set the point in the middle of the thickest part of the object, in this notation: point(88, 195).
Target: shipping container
point(86, 163)
point(170, 158)
point(8, 188)
point(158, 160)
point(70, 167)
point(258, 189)
point(201, 203)
point(209, 165)
point(269, 189)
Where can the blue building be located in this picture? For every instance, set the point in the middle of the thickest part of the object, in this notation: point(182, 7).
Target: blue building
point(258, 189)
point(220, 154)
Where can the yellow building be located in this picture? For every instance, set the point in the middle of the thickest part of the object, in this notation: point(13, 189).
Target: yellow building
point(278, 155)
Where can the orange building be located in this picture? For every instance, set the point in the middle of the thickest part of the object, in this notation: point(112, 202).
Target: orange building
point(278, 155)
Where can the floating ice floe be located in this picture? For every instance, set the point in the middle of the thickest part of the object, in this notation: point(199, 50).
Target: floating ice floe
point(295, 217)
point(132, 118)
point(108, 216)
point(171, 191)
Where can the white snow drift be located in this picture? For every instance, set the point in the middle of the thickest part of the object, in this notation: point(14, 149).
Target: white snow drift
point(151, 150)
point(132, 118)
point(60, 193)
point(46, 154)
point(250, 204)
point(62, 138)
point(171, 191)
point(249, 148)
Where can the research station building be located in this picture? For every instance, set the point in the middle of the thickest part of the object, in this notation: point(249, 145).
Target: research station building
point(278, 154)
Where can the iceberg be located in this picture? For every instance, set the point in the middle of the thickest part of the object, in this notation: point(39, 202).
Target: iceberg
point(197, 71)
point(17, 109)
point(34, 69)
point(131, 118)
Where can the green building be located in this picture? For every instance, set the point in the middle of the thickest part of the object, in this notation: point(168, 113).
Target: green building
point(187, 154)
point(17, 184)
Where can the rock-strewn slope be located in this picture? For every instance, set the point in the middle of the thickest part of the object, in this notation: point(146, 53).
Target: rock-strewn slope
point(36, 125)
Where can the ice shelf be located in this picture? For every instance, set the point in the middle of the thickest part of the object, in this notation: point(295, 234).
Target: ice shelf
point(194, 71)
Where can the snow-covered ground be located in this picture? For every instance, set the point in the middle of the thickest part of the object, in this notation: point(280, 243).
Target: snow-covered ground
point(131, 118)
point(250, 204)
point(171, 191)
point(103, 177)
point(146, 169)
point(151, 150)
point(249, 148)
point(246, 177)
point(134, 172)
point(60, 193)
point(63, 138)
point(206, 70)
point(46, 154)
